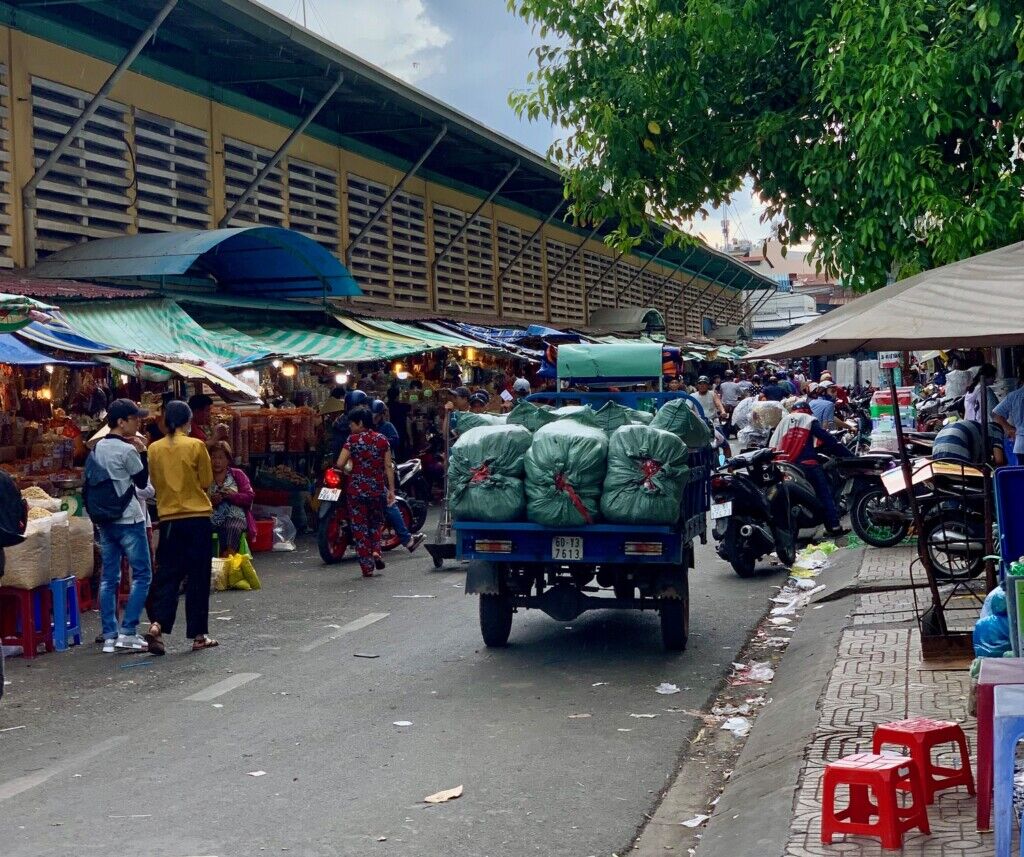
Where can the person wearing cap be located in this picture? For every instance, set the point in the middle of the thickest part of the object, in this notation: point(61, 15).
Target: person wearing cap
point(121, 452)
point(709, 400)
point(521, 388)
point(458, 403)
point(182, 474)
point(773, 391)
point(200, 405)
point(795, 438)
point(478, 402)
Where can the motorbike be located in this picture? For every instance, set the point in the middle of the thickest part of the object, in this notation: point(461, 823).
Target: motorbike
point(953, 530)
point(411, 485)
point(752, 511)
point(334, 533)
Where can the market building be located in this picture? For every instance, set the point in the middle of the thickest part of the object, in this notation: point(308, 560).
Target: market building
point(231, 115)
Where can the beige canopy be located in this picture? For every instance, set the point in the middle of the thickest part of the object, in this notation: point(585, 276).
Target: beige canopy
point(973, 303)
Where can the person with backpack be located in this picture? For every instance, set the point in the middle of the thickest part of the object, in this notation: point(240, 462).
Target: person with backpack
point(115, 468)
point(182, 475)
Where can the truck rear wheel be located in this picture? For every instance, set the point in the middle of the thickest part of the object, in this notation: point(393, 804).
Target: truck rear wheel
point(675, 623)
point(495, 619)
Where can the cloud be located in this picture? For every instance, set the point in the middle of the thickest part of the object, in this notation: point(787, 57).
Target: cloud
point(397, 35)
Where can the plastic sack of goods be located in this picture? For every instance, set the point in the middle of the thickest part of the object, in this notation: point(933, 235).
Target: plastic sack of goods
point(465, 420)
point(485, 474)
point(530, 415)
point(647, 471)
point(611, 416)
point(565, 469)
point(677, 416)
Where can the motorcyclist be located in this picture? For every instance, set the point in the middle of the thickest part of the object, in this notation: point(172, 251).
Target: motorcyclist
point(392, 513)
point(795, 438)
point(340, 428)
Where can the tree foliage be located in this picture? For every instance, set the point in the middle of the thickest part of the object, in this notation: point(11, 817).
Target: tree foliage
point(888, 133)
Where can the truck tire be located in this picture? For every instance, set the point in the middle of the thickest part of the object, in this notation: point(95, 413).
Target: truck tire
point(624, 590)
point(675, 623)
point(495, 619)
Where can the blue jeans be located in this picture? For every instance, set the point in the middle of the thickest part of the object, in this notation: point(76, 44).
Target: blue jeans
point(817, 478)
point(394, 517)
point(128, 540)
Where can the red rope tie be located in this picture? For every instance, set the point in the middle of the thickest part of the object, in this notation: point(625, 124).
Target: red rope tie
point(650, 468)
point(480, 473)
point(563, 484)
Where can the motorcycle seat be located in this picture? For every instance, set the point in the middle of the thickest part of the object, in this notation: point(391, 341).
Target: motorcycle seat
point(751, 459)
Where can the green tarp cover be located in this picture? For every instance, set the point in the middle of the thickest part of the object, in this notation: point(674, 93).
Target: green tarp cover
point(647, 472)
point(611, 416)
point(565, 467)
point(625, 360)
point(485, 474)
point(530, 415)
point(678, 417)
point(463, 421)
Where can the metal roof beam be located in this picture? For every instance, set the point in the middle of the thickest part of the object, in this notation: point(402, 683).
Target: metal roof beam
point(28, 193)
point(275, 159)
point(409, 173)
point(573, 255)
point(672, 273)
point(682, 289)
point(605, 272)
point(633, 279)
point(530, 240)
point(755, 307)
point(469, 220)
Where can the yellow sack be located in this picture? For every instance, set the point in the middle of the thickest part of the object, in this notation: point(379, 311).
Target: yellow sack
point(239, 572)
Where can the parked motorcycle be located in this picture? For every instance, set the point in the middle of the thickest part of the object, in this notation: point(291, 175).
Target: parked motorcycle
point(411, 485)
point(334, 533)
point(953, 530)
point(752, 512)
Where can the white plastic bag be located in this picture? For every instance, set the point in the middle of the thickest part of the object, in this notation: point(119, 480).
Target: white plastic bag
point(284, 529)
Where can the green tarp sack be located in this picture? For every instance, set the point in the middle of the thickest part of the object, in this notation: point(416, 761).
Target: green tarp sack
point(485, 474)
point(611, 416)
point(463, 421)
point(565, 469)
point(679, 417)
point(529, 415)
point(583, 414)
point(647, 472)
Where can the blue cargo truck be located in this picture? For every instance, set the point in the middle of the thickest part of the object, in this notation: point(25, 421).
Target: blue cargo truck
point(567, 571)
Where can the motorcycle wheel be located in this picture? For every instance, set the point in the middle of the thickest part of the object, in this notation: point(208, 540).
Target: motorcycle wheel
point(419, 515)
point(388, 536)
point(495, 619)
point(332, 537)
point(675, 623)
point(875, 534)
point(741, 558)
point(950, 567)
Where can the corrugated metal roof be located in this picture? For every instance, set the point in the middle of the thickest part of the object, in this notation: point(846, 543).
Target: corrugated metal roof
point(66, 290)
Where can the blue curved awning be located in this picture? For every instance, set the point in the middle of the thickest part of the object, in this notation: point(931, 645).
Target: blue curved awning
point(254, 260)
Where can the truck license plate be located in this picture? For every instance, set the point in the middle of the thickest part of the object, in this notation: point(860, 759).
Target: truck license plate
point(567, 547)
point(720, 510)
point(330, 494)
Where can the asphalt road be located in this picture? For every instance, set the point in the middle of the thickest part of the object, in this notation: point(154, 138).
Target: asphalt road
point(130, 754)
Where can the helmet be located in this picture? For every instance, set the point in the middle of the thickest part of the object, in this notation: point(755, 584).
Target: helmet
point(377, 407)
point(801, 405)
point(521, 385)
point(703, 379)
point(355, 399)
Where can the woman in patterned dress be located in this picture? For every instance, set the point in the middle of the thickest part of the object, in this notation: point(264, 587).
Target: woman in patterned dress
point(369, 454)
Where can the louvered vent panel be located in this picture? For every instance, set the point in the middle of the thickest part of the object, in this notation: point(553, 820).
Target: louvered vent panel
point(86, 194)
point(627, 284)
point(370, 260)
point(173, 162)
point(565, 295)
point(480, 265)
point(451, 270)
point(266, 205)
point(594, 266)
point(5, 171)
point(522, 288)
point(409, 267)
point(313, 202)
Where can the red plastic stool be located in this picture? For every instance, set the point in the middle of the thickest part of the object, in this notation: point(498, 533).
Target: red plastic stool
point(25, 618)
point(84, 585)
point(919, 735)
point(885, 776)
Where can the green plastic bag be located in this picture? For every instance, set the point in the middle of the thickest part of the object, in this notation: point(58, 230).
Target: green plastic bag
point(583, 414)
point(463, 421)
point(565, 468)
point(647, 472)
point(529, 415)
point(485, 474)
point(679, 417)
point(611, 416)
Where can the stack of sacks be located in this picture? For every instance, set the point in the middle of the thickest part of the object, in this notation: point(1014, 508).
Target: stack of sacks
point(463, 421)
point(565, 468)
point(530, 415)
point(611, 416)
point(485, 474)
point(583, 414)
point(678, 417)
point(647, 471)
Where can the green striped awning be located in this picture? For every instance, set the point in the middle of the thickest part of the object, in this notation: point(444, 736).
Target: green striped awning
point(325, 344)
point(159, 327)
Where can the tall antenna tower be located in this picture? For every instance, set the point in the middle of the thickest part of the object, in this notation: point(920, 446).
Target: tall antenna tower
point(725, 233)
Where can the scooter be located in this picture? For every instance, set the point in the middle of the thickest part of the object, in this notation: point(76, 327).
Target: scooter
point(411, 486)
point(752, 511)
point(334, 532)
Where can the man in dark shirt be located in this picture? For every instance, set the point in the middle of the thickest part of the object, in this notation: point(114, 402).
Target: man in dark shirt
point(773, 391)
point(961, 442)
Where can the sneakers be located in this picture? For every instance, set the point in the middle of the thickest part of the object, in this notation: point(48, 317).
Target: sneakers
point(129, 643)
point(415, 542)
point(108, 646)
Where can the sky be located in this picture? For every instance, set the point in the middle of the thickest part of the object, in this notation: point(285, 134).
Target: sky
point(469, 54)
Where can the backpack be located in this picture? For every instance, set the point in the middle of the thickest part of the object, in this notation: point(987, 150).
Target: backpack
point(102, 502)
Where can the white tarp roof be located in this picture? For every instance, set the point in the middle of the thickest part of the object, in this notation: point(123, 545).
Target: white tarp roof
point(972, 303)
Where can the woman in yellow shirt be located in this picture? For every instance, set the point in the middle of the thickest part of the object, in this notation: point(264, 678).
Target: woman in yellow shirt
point(179, 467)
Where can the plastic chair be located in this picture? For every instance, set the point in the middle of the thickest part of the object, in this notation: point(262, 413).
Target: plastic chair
point(67, 621)
point(885, 776)
point(25, 618)
point(995, 672)
point(920, 735)
point(1008, 729)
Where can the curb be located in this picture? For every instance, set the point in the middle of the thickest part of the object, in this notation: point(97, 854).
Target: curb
point(754, 813)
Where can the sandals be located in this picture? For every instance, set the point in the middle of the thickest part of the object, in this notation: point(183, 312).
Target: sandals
point(155, 641)
point(204, 643)
point(378, 562)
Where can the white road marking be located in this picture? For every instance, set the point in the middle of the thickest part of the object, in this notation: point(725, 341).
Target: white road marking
point(222, 687)
point(354, 625)
point(15, 787)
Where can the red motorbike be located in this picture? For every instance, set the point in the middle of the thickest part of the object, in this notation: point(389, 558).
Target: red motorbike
point(334, 533)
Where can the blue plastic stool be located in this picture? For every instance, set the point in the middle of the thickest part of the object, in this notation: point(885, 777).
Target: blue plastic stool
point(67, 623)
point(1008, 729)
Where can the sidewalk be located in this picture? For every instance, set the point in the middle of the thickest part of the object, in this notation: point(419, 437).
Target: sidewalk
point(868, 650)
